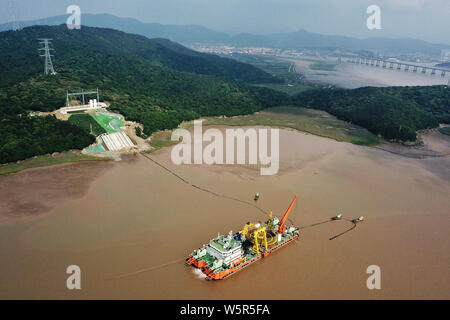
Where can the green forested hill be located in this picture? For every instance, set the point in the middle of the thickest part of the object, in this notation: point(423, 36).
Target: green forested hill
point(20, 56)
point(160, 84)
point(138, 76)
point(394, 112)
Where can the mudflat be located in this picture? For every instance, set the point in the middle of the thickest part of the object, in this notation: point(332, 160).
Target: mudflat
point(129, 226)
point(36, 191)
point(351, 76)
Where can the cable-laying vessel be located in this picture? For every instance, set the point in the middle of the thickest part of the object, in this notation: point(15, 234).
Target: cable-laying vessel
point(230, 253)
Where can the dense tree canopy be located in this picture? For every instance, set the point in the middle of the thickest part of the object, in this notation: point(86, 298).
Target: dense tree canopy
point(394, 112)
point(24, 137)
point(159, 83)
point(131, 75)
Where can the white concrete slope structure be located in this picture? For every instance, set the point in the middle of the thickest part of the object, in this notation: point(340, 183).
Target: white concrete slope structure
point(93, 105)
point(117, 141)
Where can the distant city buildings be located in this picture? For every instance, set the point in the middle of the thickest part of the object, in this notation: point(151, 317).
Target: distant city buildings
point(228, 50)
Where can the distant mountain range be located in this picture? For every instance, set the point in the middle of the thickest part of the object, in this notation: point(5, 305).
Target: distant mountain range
point(194, 34)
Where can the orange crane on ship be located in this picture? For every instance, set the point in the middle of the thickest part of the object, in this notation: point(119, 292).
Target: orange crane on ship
point(282, 227)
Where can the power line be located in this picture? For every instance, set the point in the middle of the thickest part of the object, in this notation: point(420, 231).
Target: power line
point(48, 56)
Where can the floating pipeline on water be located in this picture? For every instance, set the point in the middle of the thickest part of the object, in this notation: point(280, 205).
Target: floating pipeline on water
point(336, 218)
point(203, 189)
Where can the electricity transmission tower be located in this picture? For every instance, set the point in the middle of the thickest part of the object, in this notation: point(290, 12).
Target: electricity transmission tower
point(13, 13)
point(48, 56)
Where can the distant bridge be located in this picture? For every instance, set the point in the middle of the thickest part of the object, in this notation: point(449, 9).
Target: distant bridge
point(395, 65)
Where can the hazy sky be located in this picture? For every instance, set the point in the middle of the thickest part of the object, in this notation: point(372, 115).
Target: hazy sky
point(423, 19)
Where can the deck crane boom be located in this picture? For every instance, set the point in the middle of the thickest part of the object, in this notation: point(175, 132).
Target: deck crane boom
point(282, 227)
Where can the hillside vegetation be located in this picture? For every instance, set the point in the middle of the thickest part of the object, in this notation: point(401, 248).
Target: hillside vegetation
point(20, 58)
point(393, 112)
point(137, 75)
point(312, 121)
point(160, 84)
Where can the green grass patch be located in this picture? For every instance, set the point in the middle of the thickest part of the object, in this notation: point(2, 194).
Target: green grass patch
point(85, 121)
point(445, 130)
point(324, 66)
point(110, 123)
point(47, 160)
point(278, 67)
point(292, 89)
point(161, 139)
point(308, 120)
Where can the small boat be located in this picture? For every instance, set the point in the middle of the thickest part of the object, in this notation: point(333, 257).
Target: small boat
point(338, 217)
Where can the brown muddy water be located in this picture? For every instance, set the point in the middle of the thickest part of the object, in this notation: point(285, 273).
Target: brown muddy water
point(130, 225)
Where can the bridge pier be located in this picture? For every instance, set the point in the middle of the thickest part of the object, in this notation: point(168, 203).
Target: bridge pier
point(376, 62)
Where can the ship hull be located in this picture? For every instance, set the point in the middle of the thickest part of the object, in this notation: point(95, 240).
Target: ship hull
point(210, 275)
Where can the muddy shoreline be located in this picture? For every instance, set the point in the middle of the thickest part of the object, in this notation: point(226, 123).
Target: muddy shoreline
point(33, 192)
